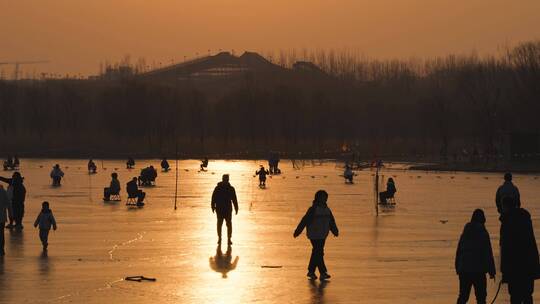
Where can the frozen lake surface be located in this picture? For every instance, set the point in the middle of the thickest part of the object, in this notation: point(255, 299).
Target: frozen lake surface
point(402, 256)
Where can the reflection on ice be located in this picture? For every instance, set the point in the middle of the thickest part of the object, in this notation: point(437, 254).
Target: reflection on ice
point(223, 263)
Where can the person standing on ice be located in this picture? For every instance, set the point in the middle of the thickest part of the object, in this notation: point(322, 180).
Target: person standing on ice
point(56, 174)
point(520, 264)
point(4, 205)
point(474, 258)
point(18, 196)
point(223, 200)
point(262, 176)
point(319, 221)
point(507, 189)
point(348, 174)
point(45, 220)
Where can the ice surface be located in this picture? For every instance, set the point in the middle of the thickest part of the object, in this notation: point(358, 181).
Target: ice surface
point(402, 256)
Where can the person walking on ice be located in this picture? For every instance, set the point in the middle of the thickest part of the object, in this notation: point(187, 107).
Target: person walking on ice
point(474, 258)
point(45, 220)
point(223, 199)
point(319, 221)
point(262, 176)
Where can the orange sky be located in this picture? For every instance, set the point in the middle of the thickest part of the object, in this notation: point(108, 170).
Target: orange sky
point(76, 35)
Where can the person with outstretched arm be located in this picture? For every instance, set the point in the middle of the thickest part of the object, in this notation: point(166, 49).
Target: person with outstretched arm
point(17, 193)
point(319, 221)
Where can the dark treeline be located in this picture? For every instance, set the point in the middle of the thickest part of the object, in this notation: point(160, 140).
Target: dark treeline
point(434, 107)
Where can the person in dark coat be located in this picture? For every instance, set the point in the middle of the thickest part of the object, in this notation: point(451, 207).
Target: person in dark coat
point(92, 168)
point(204, 164)
point(130, 164)
point(56, 174)
point(474, 258)
point(319, 221)
point(223, 200)
point(4, 205)
point(519, 252)
point(18, 197)
point(507, 189)
point(148, 176)
point(165, 165)
point(113, 189)
point(348, 174)
point(262, 173)
point(390, 191)
point(134, 192)
point(45, 221)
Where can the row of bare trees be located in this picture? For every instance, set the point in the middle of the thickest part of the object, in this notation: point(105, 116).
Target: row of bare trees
point(439, 106)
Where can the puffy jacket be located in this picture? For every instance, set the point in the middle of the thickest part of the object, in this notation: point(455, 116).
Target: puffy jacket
point(474, 253)
point(223, 198)
point(319, 221)
point(45, 220)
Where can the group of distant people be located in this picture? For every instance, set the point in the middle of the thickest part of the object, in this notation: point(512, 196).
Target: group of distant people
point(520, 264)
point(12, 211)
point(273, 163)
point(384, 196)
point(11, 163)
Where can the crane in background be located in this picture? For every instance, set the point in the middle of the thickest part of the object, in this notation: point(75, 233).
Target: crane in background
point(18, 66)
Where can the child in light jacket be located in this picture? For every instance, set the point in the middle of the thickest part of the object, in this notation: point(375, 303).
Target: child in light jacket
point(45, 220)
point(319, 222)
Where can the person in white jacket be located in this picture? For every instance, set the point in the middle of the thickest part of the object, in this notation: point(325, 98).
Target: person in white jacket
point(319, 221)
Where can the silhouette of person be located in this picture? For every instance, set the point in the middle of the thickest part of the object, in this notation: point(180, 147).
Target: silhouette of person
point(165, 165)
point(204, 164)
point(474, 258)
point(4, 206)
point(223, 263)
point(348, 174)
point(56, 175)
point(507, 189)
point(45, 221)
point(390, 191)
point(520, 264)
point(223, 200)
point(132, 190)
point(92, 168)
point(113, 189)
point(8, 163)
point(148, 176)
point(18, 195)
point(319, 221)
point(262, 172)
point(130, 164)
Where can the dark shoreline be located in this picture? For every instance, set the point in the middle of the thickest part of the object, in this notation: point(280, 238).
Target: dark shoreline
point(517, 167)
